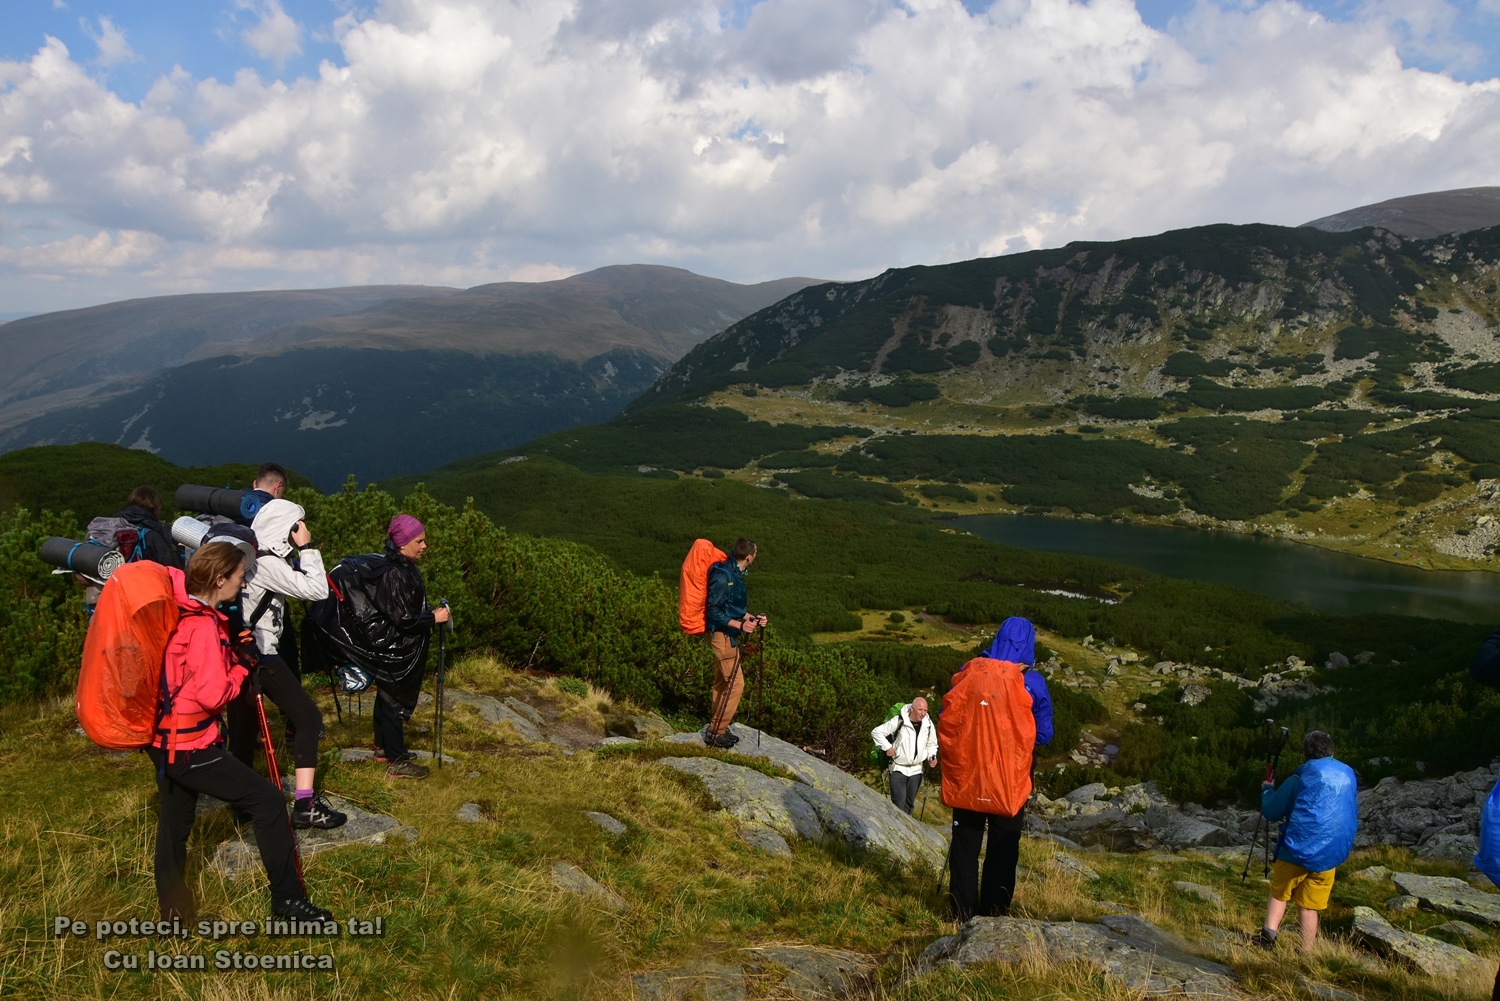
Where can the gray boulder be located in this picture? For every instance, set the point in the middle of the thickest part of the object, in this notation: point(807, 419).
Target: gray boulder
point(1198, 891)
point(1122, 947)
point(821, 802)
point(804, 973)
point(1086, 794)
point(765, 840)
point(1421, 953)
point(567, 876)
point(491, 710)
point(239, 856)
point(1194, 694)
point(470, 813)
point(607, 822)
point(1450, 896)
point(1156, 827)
point(1463, 931)
point(1069, 864)
point(648, 727)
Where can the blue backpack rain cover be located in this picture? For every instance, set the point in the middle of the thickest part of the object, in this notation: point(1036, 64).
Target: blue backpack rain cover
point(1487, 859)
point(1320, 831)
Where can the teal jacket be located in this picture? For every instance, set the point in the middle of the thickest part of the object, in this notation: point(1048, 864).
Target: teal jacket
point(726, 598)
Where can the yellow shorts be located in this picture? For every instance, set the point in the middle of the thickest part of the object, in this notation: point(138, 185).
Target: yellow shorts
point(1290, 881)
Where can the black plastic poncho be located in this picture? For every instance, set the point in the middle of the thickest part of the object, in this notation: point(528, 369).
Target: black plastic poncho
point(376, 615)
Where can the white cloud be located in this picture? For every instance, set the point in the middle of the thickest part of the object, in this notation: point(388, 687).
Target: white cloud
point(275, 35)
point(464, 141)
point(113, 47)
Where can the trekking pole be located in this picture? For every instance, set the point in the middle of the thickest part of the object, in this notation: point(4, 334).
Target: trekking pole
point(437, 728)
point(275, 775)
point(760, 660)
point(1273, 758)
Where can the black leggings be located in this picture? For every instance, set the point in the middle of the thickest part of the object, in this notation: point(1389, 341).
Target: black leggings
point(967, 895)
point(214, 771)
point(304, 723)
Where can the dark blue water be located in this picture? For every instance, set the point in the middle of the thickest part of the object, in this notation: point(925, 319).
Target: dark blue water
point(1335, 582)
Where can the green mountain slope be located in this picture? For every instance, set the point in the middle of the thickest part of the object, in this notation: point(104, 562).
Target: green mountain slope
point(1341, 388)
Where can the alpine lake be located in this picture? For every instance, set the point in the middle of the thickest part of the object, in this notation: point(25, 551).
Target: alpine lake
point(1331, 581)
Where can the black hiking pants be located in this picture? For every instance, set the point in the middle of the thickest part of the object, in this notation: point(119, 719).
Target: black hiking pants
point(967, 895)
point(304, 721)
point(213, 770)
point(390, 728)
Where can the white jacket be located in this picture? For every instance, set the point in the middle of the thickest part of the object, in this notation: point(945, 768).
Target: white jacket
point(914, 743)
point(275, 575)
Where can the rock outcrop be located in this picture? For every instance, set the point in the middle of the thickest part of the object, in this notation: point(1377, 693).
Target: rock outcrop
point(1449, 896)
point(1134, 819)
point(238, 855)
point(567, 876)
point(1438, 818)
point(1420, 952)
point(782, 971)
point(821, 802)
point(1123, 947)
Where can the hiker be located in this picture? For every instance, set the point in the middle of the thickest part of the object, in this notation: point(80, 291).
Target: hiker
point(728, 624)
point(1318, 803)
point(143, 510)
point(201, 677)
point(908, 739)
point(995, 715)
point(270, 482)
point(1485, 669)
point(279, 574)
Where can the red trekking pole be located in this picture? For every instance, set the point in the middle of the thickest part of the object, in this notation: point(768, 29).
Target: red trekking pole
point(275, 773)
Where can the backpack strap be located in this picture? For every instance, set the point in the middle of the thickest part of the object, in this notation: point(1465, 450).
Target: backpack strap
point(260, 609)
point(171, 726)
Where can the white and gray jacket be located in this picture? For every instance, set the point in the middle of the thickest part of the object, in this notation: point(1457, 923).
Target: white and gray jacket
point(275, 575)
point(914, 743)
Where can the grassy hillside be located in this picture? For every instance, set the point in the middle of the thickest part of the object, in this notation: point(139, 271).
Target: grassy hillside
point(1335, 388)
point(469, 909)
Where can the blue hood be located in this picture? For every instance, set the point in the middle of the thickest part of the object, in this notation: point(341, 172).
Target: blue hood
point(1015, 642)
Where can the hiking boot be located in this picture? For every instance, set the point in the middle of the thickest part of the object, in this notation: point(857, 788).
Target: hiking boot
point(1265, 938)
point(314, 811)
point(299, 909)
point(407, 768)
point(723, 741)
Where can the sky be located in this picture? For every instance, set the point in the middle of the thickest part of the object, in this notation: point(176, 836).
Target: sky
point(216, 145)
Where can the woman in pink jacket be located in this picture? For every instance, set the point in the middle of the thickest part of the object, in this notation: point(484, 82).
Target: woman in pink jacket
point(201, 678)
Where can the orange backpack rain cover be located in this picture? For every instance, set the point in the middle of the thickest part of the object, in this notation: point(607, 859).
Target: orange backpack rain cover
point(986, 737)
point(692, 597)
point(119, 684)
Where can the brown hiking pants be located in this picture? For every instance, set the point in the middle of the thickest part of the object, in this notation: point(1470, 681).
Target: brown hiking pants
point(729, 682)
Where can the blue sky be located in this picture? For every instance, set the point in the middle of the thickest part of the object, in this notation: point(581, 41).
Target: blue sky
point(463, 141)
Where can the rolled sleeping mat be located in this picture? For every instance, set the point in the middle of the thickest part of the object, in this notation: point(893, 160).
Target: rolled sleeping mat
point(189, 532)
point(88, 559)
point(241, 505)
point(237, 536)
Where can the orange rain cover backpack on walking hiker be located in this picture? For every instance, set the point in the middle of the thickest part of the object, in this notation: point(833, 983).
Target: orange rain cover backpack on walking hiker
point(120, 681)
point(986, 737)
point(692, 597)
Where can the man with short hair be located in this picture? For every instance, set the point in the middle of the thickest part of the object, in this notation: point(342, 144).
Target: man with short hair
point(908, 739)
point(270, 479)
point(1318, 802)
point(728, 624)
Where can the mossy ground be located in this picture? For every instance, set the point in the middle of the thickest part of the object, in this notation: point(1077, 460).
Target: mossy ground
point(470, 909)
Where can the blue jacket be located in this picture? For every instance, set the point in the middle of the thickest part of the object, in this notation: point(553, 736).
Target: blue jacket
point(1485, 669)
point(726, 597)
point(1320, 806)
point(1016, 642)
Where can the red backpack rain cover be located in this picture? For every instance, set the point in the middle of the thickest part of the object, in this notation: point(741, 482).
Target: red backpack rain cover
point(692, 597)
point(986, 737)
point(119, 684)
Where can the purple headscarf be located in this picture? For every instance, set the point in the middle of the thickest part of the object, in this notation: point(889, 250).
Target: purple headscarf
point(403, 529)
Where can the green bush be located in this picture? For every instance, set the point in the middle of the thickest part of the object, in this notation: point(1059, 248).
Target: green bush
point(42, 618)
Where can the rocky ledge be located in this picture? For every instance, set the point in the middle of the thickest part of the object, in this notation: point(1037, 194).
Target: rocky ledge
point(821, 802)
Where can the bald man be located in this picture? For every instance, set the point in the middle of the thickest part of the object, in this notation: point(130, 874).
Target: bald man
point(908, 739)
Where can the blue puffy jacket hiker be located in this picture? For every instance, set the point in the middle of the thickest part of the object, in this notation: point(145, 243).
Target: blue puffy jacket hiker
point(1485, 669)
point(1016, 642)
point(1318, 802)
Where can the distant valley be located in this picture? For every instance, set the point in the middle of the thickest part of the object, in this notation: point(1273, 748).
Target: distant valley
point(372, 381)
